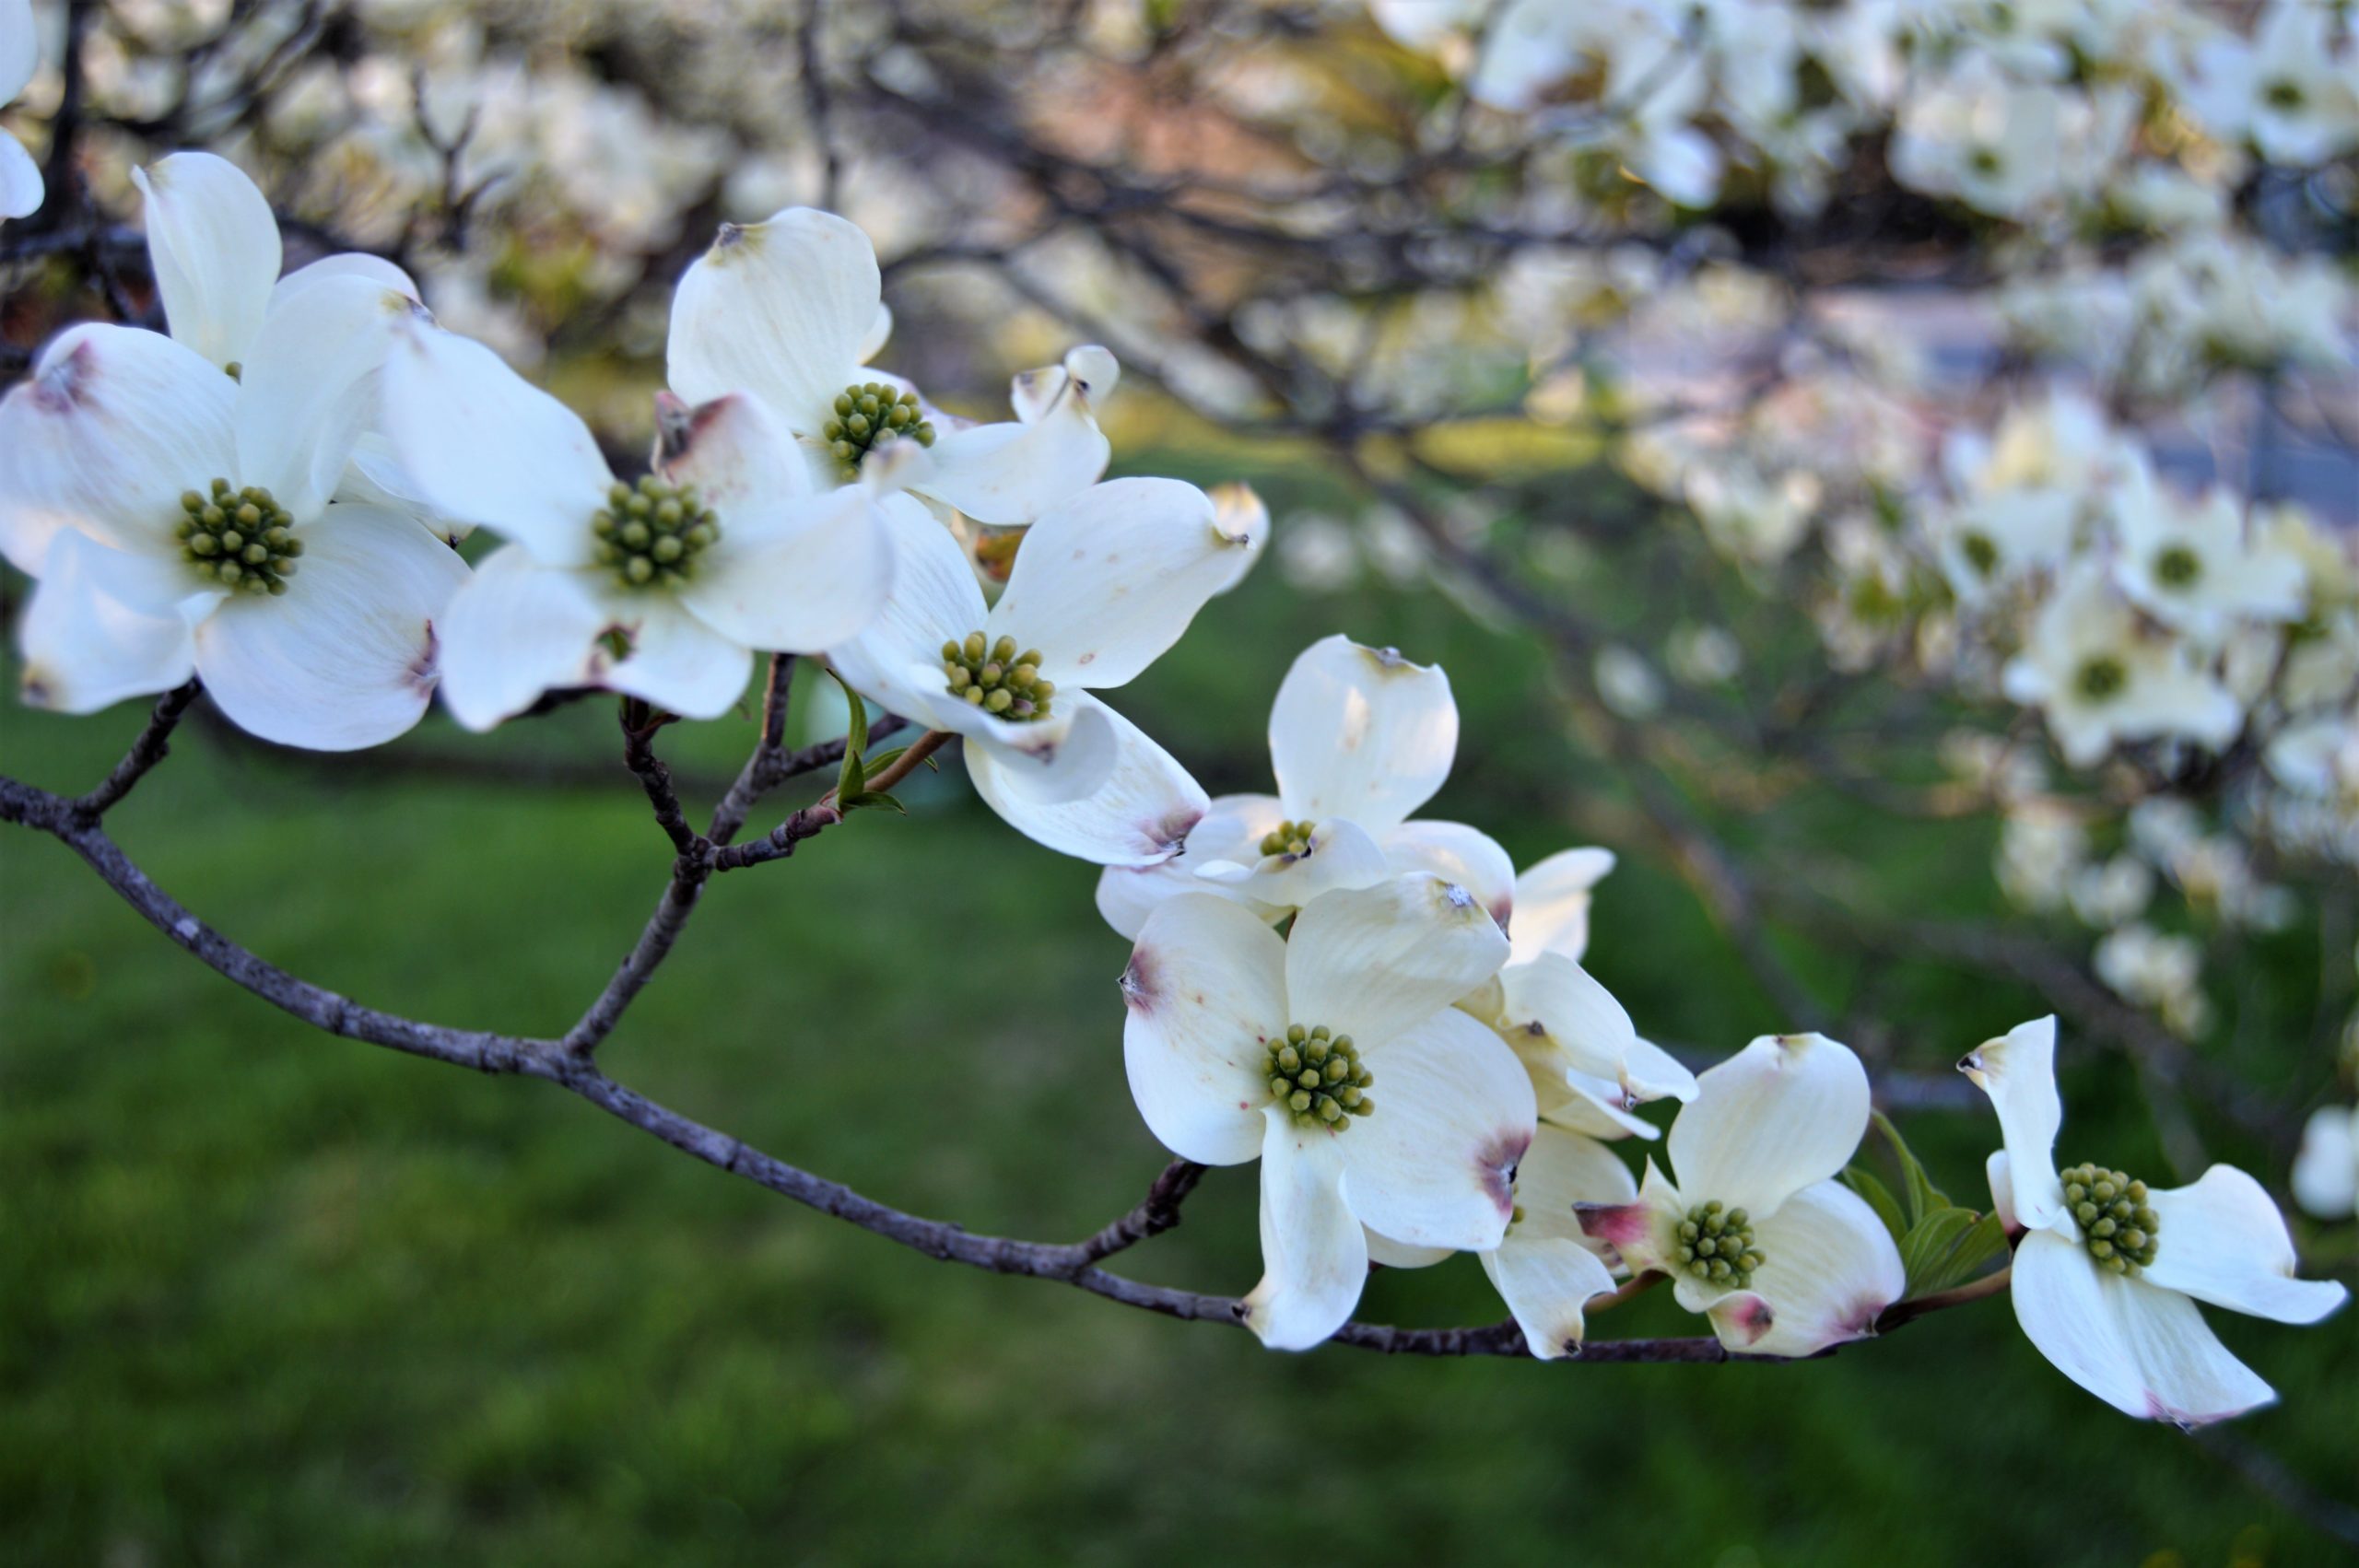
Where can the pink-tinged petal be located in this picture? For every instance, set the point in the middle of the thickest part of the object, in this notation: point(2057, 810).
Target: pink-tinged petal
point(1139, 812)
point(112, 428)
point(1552, 904)
point(1546, 1282)
point(1109, 578)
point(2142, 1350)
point(1361, 733)
point(213, 244)
point(347, 657)
point(1829, 1270)
point(487, 447)
point(517, 629)
point(311, 386)
point(85, 649)
point(1231, 825)
point(1562, 1174)
point(1314, 1255)
point(1371, 962)
point(1455, 852)
point(2222, 1241)
point(780, 309)
point(1203, 993)
point(2018, 1071)
point(1436, 1165)
point(1784, 1112)
point(1642, 1232)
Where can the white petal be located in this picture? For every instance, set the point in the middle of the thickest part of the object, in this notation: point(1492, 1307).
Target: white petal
point(2018, 1071)
point(1338, 854)
point(1012, 473)
point(675, 660)
point(1362, 734)
point(780, 309)
point(19, 48)
point(737, 453)
point(1649, 1072)
point(2144, 1350)
point(1557, 999)
point(1232, 824)
point(1204, 992)
point(1551, 902)
point(213, 244)
point(345, 264)
point(2222, 1241)
point(1383, 1249)
point(1546, 1282)
point(84, 649)
point(1139, 813)
point(934, 599)
point(1829, 1270)
point(346, 658)
point(880, 331)
point(1314, 1255)
point(1109, 579)
point(2002, 1189)
point(489, 448)
point(516, 630)
point(1435, 1166)
point(1371, 962)
point(22, 187)
point(309, 386)
point(2326, 1169)
point(1455, 852)
point(113, 426)
point(1786, 1111)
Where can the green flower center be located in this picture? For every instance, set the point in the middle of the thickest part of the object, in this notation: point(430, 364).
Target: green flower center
point(651, 534)
point(240, 539)
point(2118, 1222)
point(868, 416)
point(2177, 567)
point(997, 679)
point(1985, 161)
point(1715, 1245)
point(1318, 1076)
point(2284, 93)
point(1980, 553)
point(1291, 839)
point(2102, 677)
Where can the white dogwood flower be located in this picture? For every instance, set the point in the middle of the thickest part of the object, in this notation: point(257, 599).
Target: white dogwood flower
point(2287, 88)
point(1104, 582)
point(1546, 1267)
point(2187, 564)
point(180, 522)
point(791, 310)
point(2326, 1167)
point(2107, 1275)
point(2101, 677)
point(1359, 738)
point(21, 181)
point(1335, 1055)
point(1758, 1232)
point(661, 589)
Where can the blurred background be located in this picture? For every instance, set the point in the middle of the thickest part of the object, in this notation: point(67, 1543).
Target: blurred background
point(1654, 368)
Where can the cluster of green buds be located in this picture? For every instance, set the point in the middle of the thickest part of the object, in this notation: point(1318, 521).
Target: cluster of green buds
point(2177, 567)
point(1715, 1245)
point(241, 539)
point(996, 678)
point(651, 534)
point(1318, 1076)
point(1981, 552)
point(870, 414)
point(2102, 677)
point(1291, 839)
point(2116, 1219)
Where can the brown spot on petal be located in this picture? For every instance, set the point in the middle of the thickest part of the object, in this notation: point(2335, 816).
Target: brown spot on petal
point(1751, 1319)
point(1496, 1161)
point(1168, 834)
point(1142, 981)
point(427, 668)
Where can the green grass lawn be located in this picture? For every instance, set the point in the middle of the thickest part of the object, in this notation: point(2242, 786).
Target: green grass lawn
point(270, 1297)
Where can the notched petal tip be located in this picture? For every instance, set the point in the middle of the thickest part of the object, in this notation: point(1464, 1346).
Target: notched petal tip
point(1495, 1162)
point(1142, 981)
point(731, 238)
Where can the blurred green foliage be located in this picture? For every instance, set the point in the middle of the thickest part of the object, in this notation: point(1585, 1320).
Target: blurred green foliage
point(268, 1297)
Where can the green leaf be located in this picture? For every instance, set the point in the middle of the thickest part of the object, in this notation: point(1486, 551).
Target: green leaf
point(1865, 1182)
point(853, 777)
point(1948, 1248)
point(871, 798)
point(1924, 1197)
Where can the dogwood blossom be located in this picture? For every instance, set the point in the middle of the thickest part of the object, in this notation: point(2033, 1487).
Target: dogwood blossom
point(1757, 1234)
point(2187, 563)
point(2109, 1269)
point(1589, 1065)
point(661, 590)
point(2101, 677)
point(2326, 1167)
point(2287, 88)
point(1359, 738)
point(21, 181)
point(1335, 1055)
point(790, 311)
point(1104, 582)
point(180, 522)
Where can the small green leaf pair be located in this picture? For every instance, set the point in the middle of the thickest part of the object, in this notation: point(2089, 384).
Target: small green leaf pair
point(852, 792)
point(1942, 1245)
